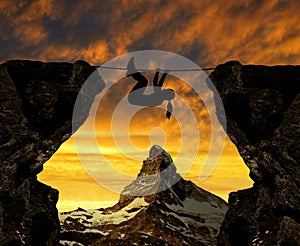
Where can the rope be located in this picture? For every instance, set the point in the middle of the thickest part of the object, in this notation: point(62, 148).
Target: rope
point(146, 69)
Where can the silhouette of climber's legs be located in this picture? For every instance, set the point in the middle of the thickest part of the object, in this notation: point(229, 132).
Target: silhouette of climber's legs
point(141, 84)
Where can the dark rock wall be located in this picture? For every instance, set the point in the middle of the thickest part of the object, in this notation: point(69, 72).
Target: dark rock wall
point(262, 107)
point(36, 107)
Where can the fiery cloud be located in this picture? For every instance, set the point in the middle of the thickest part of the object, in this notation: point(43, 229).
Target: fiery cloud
point(208, 32)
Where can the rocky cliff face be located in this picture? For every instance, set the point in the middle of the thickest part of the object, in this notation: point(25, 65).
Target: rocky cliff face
point(180, 214)
point(262, 107)
point(262, 111)
point(36, 109)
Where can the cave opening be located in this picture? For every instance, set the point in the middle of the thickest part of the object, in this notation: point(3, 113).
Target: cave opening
point(66, 169)
point(65, 172)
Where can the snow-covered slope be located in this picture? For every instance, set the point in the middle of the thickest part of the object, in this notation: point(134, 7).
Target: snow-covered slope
point(158, 208)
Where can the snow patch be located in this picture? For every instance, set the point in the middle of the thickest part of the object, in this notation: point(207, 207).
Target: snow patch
point(196, 207)
point(94, 217)
point(212, 214)
point(94, 230)
point(70, 243)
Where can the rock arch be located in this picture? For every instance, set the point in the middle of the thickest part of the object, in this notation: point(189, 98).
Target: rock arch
point(262, 107)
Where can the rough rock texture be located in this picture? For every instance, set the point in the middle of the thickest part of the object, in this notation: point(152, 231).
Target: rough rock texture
point(181, 214)
point(262, 107)
point(36, 106)
point(262, 110)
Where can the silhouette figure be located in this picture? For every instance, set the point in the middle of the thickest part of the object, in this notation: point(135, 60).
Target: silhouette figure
point(159, 95)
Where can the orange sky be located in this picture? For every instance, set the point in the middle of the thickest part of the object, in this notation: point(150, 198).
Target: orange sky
point(146, 127)
point(207, 32)
point(65, 172)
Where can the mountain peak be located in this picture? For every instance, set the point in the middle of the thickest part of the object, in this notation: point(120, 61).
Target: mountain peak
point(157, 162)
point(158, 182)
point(158, 173)
point(159, 207)
point(156, 150)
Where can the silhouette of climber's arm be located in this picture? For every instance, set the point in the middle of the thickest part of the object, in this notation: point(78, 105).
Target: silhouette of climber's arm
point(155, 78)
point(162, 79)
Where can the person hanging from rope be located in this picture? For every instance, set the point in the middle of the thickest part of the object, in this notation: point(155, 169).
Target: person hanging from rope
point(159, 95)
